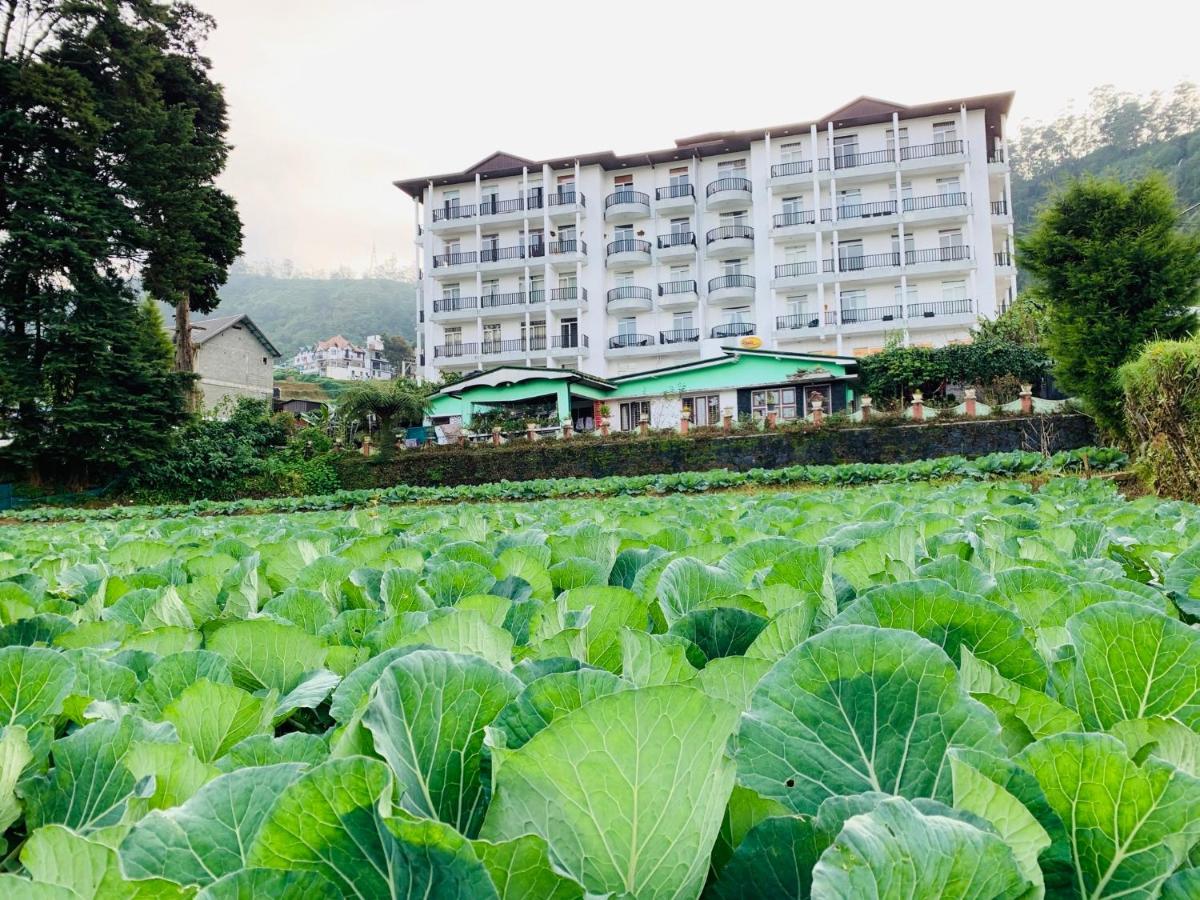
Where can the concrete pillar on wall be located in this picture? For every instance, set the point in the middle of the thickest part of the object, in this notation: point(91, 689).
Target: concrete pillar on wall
point(564, 401)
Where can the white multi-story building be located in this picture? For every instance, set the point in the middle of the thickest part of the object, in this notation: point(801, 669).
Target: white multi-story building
point(340, 359)
point(817, 237)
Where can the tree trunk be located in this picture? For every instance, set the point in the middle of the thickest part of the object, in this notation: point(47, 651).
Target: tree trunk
point(185, 356)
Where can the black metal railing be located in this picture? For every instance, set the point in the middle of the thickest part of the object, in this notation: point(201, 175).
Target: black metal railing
point(538, 296)
point(451, 212)
point(730, 281)
point(458, 258)
point(565, 198)
point(732, 329)
point(677, 239)
point(628, 292)
point(852, 160)
point(537, 342)
point(514, 345)
point(935, 308)
point(627, 245)
point(616, 198)
point(685, 286)
point(729, 184)
point(1003, 258)
point(997, 155)
point(534, 199)
point(872, 314)
point(791, 270)
point(496, 254)
point(568, 293)
point(953, 253)
point(491, 301)
point(730, 232)
point(452, 350)
point(679, 335)
point(866, 210)
point(569, 246)
point(800, 167)
point(450, 304)
point(1000, 207)
point(568, 341)
point(799, 217)
point(672, 191)
point(630, 340)
point(865, 261)
point(801, 320)
point(496, 207)
point(536, 250)
point(937, 148)
point(935, 201)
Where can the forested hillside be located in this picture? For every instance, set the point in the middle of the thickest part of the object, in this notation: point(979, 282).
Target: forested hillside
point(1119, 135)
point(294, 311)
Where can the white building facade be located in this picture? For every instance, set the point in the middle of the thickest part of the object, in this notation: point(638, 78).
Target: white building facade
point(829, 236)
point(342, 360)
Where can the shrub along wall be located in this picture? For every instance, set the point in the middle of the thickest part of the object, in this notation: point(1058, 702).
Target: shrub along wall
point(588, 457)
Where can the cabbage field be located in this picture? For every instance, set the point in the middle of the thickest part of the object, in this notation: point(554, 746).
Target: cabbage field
point(977, 689)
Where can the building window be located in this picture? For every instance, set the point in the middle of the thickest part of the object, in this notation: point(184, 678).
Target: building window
point(679, 176)
point(627, 326)
point(791, 152)
point(704, 409)
point(731, 168)
point(781, 401)
point(733, 267)
point(797, 305)
point(891, 138)
point(954, 290)
point(453, 336)
point(944, 132)
point(793, 206)
point(950, 238)
point(623, 182)
point(730, 219)
point(681, 226)
point(491, 338)
point(845, 151)
point(906, 191)
point(632, 412)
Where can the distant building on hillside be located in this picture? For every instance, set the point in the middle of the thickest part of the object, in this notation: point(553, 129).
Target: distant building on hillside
point(299, 397)
point(233, 359)
point(340, 359)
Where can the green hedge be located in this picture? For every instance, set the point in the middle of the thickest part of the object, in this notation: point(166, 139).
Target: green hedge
point(991, 466)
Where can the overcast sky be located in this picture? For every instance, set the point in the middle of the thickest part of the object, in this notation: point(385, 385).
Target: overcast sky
point(331, 100)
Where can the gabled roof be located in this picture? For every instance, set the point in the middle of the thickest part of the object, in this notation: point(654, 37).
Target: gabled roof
point(204, 330)
point(501, 375)
point(860, 111)
point(337, 341)
point(848, 363)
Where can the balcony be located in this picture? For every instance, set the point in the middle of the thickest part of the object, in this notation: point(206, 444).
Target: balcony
point(454, 263)
point(627, 252)
point(632, 344)
point(795, 174)
point(1003, 259)
point(858, 215)
point(798, 221)
point(567, 295)
point(497, 210)
point(732, 329)
point(458, 351)
point(729, 241)
point(997, 161)
point(511, 348)
point(797, 322)
point(499, 303)
point(932, 207)
point(1001, 212)
point(939, 308)
point(629, 298)
point(871, 264)
point(498, 258)
point(625, 206)
point(734, 192)
point(446, 308)
point(953, 258)
point(679, 336)
point(674, 197)
point(566, 254)
point(564, 205)
point(930, 157)
point(854, 159)
point(731, 288)
point(795, 274)
point(864, 315)
point(676, 245)
point(677, 294)
point(453, 217)
point(569, 345)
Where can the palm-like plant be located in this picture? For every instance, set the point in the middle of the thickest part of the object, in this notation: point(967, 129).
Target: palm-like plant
point(391, 403)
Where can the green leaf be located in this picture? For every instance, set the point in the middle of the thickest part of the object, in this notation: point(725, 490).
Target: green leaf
point(1131, 663)
point(1130, 826)
point(648, 659)
point(1166, 739)
point(719, 631)
point(172, 675)
point(858, 709)
point(254, 884)
point(1182, 579)
point(34, 682)
point(427, 717)
point(896, 851)
point(467, 632)
point(15, 755)
point(627, 790)
point(213, 717)
point(549, 698)
point(521, 870)
point(263, 654)
point(207, 836)
point(686, 584)
point(267, 750)
point(775, 859)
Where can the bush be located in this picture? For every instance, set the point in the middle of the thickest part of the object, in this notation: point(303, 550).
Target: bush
point(986, 362)
point(1162, 408)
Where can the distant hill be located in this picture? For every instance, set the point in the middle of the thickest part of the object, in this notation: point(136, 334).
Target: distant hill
point(1178, 158)
point(293, 312)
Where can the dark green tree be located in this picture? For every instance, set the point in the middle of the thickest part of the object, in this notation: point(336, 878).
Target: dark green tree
point(1115, 271)
point(397, 351)
point(390, 403)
